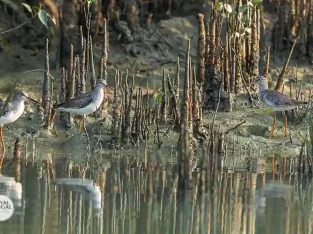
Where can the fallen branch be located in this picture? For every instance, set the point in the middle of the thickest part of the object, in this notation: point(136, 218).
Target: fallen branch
point(235, 127)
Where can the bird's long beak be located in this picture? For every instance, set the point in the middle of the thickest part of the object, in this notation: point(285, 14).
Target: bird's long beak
point(33, 100)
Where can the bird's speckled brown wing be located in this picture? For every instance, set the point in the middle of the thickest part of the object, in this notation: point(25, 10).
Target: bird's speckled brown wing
point(79, 101)
point(276, 98)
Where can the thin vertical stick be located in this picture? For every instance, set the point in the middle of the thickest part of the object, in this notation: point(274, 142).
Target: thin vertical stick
point(184, 134)
point(46, 88)
point(83, 67)
point(105, 50)
point(63, 92)
point(93, 71)
point(201, 55)
point(268, 56)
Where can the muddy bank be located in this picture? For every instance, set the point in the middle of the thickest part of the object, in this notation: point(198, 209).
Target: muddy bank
point(146, 60)
point(250, 139)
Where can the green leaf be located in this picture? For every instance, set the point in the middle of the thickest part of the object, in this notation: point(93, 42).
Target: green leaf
point(246, 20)
point(232, 13)
point(228, 8)
point(258, 5)
point(43, 16)
point(28, 7)
point(118, 15)
point(5, 44)
point(90, 2)
point(243, 8)
point(159, 96)
point(52, 19)
point(219, 6)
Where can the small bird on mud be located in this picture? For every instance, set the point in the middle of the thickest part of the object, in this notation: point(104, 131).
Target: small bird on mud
point(276, 101)
point(12, 110)
point(83, 104)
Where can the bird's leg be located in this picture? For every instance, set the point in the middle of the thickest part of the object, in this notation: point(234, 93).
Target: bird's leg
point(80, 124)
point(84, 123)
point(286, 126)
point(52, 118)
point(274, 124)
point(2, 142)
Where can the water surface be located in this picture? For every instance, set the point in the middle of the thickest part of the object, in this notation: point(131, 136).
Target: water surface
point(131, 196)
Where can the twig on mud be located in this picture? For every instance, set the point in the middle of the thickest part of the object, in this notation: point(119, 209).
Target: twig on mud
point(235, 127)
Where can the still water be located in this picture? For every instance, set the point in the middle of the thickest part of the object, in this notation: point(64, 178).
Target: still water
point(132, 197)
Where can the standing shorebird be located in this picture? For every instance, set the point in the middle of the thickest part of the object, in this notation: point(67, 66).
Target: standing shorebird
point(83, 104)
point(276, 101)
point(11, 111)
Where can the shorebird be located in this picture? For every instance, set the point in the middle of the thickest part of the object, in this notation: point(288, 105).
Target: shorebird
point(12, 110)
point(83, 104)
point(276, 101)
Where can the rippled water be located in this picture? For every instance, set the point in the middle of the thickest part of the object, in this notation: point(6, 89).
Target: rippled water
point(130, 196)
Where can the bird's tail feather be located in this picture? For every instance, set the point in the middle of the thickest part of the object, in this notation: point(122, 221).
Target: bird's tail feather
point(57, 105)
point(300, 102)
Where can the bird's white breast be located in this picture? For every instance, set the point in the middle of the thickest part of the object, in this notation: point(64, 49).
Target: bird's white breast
point(11, 116)
point(99, 100)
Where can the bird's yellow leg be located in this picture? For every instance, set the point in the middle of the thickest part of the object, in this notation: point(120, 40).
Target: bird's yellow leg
point(80, 124)
point(286, 126)
point(84, 123)
point(274, 124)
point(52, 118)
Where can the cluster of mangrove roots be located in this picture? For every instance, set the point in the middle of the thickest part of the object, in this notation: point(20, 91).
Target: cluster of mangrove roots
point(81, 69)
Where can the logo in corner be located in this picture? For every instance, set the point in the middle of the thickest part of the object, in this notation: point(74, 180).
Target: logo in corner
point(6, 208)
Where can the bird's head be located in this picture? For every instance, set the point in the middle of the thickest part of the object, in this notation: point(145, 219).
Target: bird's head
point(260, 80)
point(101, 83)
point(22, 95)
